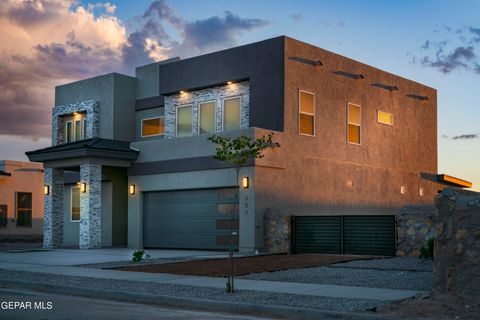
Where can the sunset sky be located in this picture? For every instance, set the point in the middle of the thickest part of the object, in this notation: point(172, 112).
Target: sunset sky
point(45, 43)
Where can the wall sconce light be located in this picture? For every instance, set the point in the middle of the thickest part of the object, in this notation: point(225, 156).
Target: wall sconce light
point(402, 189)
point(83, 187)
point(131, 189)
point(46, 189)
point(245, 182)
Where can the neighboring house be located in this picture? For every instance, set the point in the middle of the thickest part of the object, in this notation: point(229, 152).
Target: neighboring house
point(21, 201)
point(356, 145)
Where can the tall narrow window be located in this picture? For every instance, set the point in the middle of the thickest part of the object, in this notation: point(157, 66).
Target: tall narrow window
point(354, 122)
point(68, 131)
point(78, 130)
point(207, 117)
point(306, 109)
point(184, 121)
point(231, 114)
point(24, 209)
point(75, 205)
point(153, 127)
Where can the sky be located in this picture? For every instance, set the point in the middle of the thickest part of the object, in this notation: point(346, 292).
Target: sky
point(45, 43)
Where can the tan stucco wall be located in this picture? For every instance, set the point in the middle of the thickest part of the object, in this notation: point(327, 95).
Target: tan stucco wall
point(316, 169)
point(25, 177)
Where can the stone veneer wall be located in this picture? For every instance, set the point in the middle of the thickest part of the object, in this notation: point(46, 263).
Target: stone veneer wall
point(91, 206)
point(194, 98)
point(456, 268)
point(53, 209)
point(414, 227)
point(90, 107)
point(277, 231)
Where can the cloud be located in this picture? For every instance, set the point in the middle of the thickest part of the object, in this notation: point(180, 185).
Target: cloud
point(296, 17)
point(466, 137)
point(50, 42)
point(457, 51)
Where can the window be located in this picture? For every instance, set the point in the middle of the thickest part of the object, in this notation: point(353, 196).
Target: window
point(153, 127)
point(385, 118)
point(354, 122)
point(68, 131)
point(306, 113)
point(231, 114)
point(75, 205)
point(184, 121)
point(75, 130)
point(24, 209)
point(207, 117)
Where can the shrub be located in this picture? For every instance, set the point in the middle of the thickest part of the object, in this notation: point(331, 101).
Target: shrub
point(426, 251)
point(139, 255)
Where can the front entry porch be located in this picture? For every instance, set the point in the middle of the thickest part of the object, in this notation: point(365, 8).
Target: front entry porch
point(97, 162)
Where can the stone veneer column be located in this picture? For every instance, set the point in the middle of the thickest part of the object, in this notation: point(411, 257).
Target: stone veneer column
point(53, 209)
point(91, 207)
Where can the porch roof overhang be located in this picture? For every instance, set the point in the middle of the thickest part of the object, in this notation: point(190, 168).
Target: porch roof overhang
point(94, 148)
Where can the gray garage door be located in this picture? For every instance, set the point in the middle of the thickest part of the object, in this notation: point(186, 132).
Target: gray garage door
point(371, 235)
point(190, 219)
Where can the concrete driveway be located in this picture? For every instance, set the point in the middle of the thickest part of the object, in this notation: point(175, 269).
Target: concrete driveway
point(71, 257)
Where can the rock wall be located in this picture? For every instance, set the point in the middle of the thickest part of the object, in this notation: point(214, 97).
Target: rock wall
point(414, 227)
point(456, 268)
point(277, 231)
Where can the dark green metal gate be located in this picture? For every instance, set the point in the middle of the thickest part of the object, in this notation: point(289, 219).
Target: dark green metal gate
point(370, 235)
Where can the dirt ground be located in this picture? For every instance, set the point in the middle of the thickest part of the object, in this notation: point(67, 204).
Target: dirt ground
point(244, 265)
point(436, 307)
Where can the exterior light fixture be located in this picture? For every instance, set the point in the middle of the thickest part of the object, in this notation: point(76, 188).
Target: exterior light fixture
point(229, 82)
point(131, 189)
point(245, 182)
point(75, 113)
point(182, 91)
point(402, 189)
point(46, 189)
point(83, 187)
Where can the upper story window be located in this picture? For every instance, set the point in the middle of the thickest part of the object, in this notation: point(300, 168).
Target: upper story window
point(354, 122)
point(206, 116)
point(231, 113)
point(306, 108)
point(184, 121)
point(385, 117)
point(153, 126)
point(24, 209)
point(75, 128)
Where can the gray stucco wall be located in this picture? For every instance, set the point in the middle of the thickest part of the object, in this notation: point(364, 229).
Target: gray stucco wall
point(115, 95)
point(118, 204)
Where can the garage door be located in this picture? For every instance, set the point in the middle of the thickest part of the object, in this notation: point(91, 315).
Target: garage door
point(190, 219)
point(370, 235)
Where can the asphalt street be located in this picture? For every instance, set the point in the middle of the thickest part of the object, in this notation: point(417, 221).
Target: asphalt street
point(22, 304)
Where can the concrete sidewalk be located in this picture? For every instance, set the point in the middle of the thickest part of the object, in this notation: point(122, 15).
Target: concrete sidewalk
point(211, 282)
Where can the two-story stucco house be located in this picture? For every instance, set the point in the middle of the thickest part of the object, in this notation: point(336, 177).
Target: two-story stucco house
point(130, 163)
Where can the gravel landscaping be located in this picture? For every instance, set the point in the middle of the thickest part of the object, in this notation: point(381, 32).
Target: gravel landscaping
point(394, 273)
point(241, 296)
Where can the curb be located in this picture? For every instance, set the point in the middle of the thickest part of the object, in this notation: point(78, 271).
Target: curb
point(281, 312)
